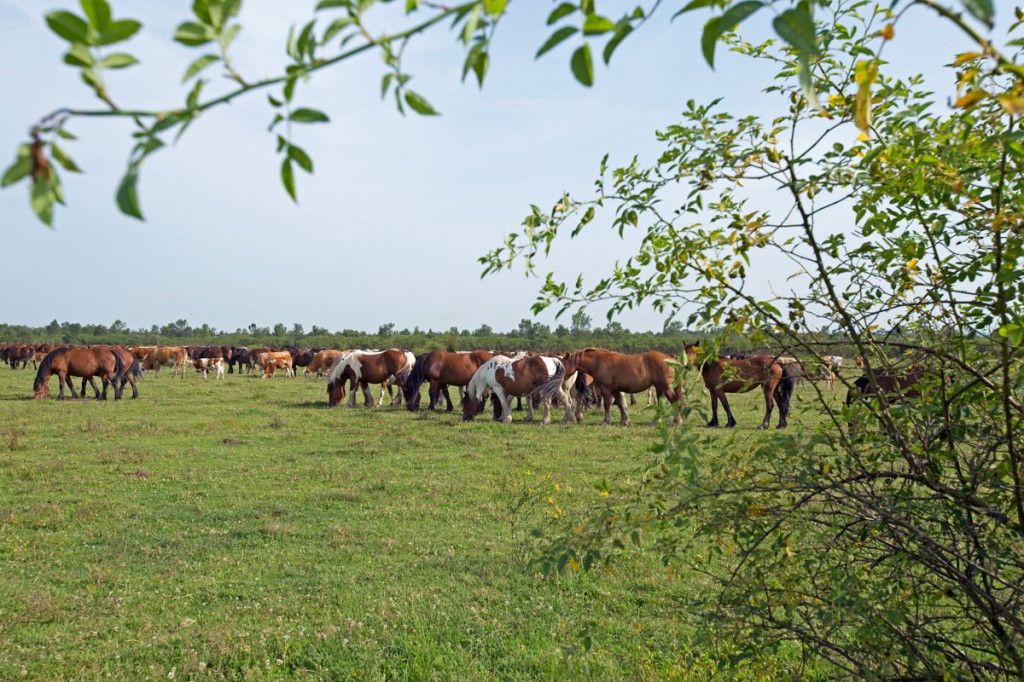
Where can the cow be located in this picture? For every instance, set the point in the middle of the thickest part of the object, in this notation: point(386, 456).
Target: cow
point(205, 365)
point(170, 356)
point(272, 361)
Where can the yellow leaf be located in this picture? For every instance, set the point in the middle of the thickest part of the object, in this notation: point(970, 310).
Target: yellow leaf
point(965, 57)
point(1012, 105)
point(969, 99)
point(836, 100)
point(912, 264)
point(887, 32)
point(865, 73)
point(575, 565)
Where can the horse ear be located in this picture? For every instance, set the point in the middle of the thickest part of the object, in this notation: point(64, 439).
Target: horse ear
point(696, 343)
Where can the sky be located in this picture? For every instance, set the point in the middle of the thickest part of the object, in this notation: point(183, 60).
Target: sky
point(390, 226)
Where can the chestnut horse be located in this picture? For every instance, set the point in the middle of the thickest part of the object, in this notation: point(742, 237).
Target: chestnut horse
point(130, 373)
point(614, 373)
point(322, 362)
point(742, 373)
point(894, 386)
point(77, 362)
point(534, 376)
point(442, 369)
point(364, 368)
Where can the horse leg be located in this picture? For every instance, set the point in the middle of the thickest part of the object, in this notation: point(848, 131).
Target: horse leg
point(448, 399)
point(563, 395)
point(730, 422)
point(367, 396)
point(546, 419)
point(621, 403)
point(529, 407)
point(714, 408)
point(434, 392)
point(506, 404)
point(71, 387)
point(95, 390)
point(606, 398)
point(769, 404)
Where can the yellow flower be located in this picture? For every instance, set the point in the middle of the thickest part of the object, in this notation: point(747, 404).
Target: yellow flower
point(575, 565)
point(604, 492)
point(887, 32)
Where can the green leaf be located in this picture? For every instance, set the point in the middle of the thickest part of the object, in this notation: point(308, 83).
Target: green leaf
point(709, 39)
point(982, 10)
point(595, 25)
point(620, 34)
point(68, 26)
point(193, 97)
point(418, 104)
point(65, 134)
point(119, 31)
point(98, 13)
point(735, 15)
point(806, 83)
point(79, 55)
point(305, 115)
point(289, 89)
point(41, 197)
point(127, 196)
point(198, 65)
point(477, 61)
point(582, 65)
point(327, 4)
point(563, 10)
point(118, 60)
point(229, 35)
point(471, 24)
point(695, 4)
point(556, 38)
point(336, 27)
point(16, 171)
point(231, 8)
point(288, 178)
point(193, 34)
point(495, 7)
point(63, 159)
point(796, 27)
point(300, 157)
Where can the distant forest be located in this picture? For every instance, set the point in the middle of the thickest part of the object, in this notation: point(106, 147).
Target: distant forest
point(528, 335)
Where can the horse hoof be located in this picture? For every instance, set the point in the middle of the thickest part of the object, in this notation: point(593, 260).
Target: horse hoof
point(762, 427)
point(730, 425)
point(781, 426)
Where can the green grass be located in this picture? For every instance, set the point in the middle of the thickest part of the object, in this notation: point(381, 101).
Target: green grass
point(328, 544)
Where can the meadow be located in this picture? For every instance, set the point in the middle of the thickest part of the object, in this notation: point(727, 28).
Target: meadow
point(239, 529)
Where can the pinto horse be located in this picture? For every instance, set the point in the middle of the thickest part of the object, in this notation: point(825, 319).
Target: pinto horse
point(363, 368)
point(534, 376)
point(442, 369)
point(742, 373)
point(615, 373)
point(77, 362)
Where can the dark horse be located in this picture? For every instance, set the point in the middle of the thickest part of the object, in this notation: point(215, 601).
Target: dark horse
point(739, 374)
point(77, 362)
point(894, 386)
point(442, 369)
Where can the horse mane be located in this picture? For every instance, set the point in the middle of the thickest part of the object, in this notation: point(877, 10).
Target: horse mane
point(44, 367)
point(415, 378)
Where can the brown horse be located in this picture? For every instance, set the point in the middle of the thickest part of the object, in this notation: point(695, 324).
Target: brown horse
point(894, 386)
point(322, 362)
point(614, 374)
point(364, 368)
point(534, 376)
point(131, 370)
point(442, 369)
point(742, 373)
point(77, 362)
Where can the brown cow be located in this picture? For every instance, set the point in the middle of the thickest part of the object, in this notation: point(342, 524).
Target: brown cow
point(273, 361)
point(171, 356)
point(322, 362)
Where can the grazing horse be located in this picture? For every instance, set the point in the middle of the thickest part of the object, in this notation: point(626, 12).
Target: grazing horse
point(739, 374)
point(169, 356)
point(322, 362)
point(77, 362)
point(534, 376)
point(363, 368)
point(614, 374)
point(20, 353)
point(894, 386)
point(442, 369)
point(130, 373)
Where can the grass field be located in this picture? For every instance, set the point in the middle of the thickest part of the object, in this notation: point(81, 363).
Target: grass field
point(239, 529)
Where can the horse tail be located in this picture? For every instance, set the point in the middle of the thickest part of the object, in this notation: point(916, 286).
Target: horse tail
point(784, 391)
point(415, 378)
point(43, 373)
point(549, 388)
point(119, 368)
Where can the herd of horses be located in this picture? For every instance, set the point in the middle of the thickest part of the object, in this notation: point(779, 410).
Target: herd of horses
point(591, 376)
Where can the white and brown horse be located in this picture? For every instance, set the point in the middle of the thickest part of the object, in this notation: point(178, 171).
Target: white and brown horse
point(615, 373)
point(534, 376)
point(367, 367)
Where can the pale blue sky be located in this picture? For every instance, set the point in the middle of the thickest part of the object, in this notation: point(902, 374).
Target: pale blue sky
point(390, 226)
